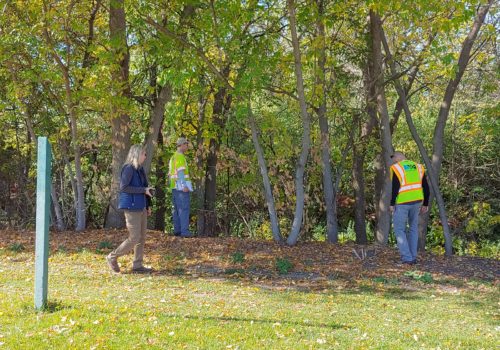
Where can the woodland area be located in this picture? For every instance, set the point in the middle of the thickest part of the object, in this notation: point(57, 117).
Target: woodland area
point(293, 109)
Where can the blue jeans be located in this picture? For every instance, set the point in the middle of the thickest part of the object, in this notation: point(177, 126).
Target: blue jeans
point(180, 213)
point(406, 237)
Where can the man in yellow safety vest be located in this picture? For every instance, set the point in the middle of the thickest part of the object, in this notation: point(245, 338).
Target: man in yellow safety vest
point(410, 196)
point(180, 184)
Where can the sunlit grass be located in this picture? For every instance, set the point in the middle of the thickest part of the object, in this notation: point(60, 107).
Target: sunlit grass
point(90, 308)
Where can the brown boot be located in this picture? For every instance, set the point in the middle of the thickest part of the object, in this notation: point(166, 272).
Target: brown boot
point(113, 264)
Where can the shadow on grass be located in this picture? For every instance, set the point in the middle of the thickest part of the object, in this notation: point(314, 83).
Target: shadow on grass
point(274, 284)
point(329, 325)
point(51, 307)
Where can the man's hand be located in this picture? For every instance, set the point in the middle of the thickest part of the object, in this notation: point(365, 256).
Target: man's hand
point(149, 211)
point(185, 189)
point(391, 209)
point(423, 209)
point(148, 191)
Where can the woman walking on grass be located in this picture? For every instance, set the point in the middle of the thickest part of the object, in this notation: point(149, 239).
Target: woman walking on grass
point(135, 200)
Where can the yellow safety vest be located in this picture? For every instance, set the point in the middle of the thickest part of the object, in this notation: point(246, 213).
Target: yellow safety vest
point(410, 175)
point(177, 163)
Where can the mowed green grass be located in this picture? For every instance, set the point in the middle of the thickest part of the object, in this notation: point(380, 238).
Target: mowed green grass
point(90, 308)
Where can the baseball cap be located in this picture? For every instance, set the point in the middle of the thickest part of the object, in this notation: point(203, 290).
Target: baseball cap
point(181, 141)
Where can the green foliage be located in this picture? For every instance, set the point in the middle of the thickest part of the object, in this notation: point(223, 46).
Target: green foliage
point(385, 280)
point(238, 257)
point(483, 222)
point(61, 249)
point(349, 235)
point(283, 265)
point(105, 245)
point(234, 271)
point(484, 248)
point(425, 277)
point(16, 247)
point(179, 271)
point(248, 42)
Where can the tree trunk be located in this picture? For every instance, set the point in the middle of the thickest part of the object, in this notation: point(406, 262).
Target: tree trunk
point(59, 221)
point(222, 103)
point(200, 182)
point(273, 217)
point(444, 110)
point(358, 184)
point(120, 120)
point(306, 137)
point(328, 190)
point(383, 215)
point(80, 191)
point(359, 151)
point(164, 96)
point(161, 181)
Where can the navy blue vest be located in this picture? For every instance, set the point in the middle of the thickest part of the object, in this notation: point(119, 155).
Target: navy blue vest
point(133, 201)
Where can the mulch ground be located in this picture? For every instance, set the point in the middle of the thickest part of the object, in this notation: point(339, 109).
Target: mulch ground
point(231, 257)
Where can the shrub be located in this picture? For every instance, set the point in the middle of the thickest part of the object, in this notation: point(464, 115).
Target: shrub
point(105, 245)
point(237, 257)
point(425, 277)
point(283, 265)
point(16, 247)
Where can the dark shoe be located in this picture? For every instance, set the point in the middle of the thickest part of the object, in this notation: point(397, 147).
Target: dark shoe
point(142, 269)
point(177, 234)
point(113, 264)
point(412, 262)
point(186, 235)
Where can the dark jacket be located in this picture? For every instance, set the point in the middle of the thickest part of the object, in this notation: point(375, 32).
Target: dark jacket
point(133, 184)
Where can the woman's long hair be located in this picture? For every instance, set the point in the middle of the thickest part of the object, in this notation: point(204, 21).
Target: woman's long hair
point(133, 156)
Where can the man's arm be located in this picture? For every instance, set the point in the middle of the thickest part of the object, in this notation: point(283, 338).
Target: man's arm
point(425, 187)
point(395, 190)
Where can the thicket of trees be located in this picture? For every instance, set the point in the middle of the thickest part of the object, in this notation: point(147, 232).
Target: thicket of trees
point(293, 109)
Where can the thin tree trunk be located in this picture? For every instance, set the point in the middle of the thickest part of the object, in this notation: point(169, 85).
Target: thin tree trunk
point(161, 180)
point(164, 96)
point(200, 185)
point(70, 106)
point(306, 137)
point(59, 219)
point(383, 215)
point(273, 217)
point(423, 152)
point(222, 102)
point(358, 185)
point(358, 179)
point(359, 151)
point(120, 121)
point(444, 110)
point(80, 191)
point(328, 190)
point(64, 152)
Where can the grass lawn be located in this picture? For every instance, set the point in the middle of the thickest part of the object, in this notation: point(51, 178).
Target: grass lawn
point(90, 308)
